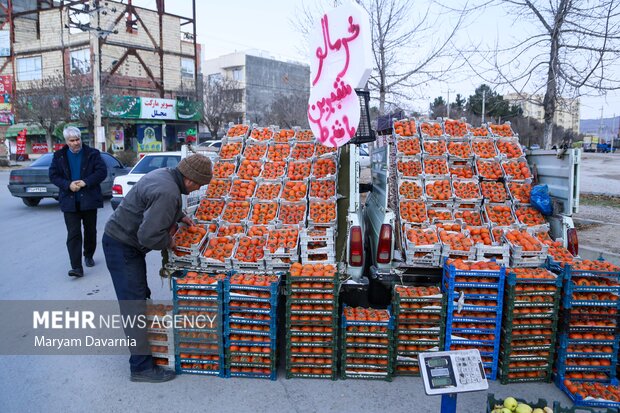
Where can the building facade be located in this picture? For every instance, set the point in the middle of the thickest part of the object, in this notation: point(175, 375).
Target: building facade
point(566, 115)
point(260, 81)
point(146, 61)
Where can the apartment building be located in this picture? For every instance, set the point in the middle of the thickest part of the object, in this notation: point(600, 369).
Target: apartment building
point(566, 115)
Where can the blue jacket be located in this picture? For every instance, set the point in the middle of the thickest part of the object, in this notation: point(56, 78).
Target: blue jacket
point(93, 172)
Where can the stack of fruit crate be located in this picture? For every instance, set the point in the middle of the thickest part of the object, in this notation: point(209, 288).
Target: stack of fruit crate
point(160, 334)
point(367, 343)
point(419, 314)
point(475, 293)
point(589, 338)
point(312, 321)
point(197, 299)
point(251, 302)
point(531, 307)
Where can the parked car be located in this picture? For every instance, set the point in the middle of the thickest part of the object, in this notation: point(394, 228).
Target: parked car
point(32, 183)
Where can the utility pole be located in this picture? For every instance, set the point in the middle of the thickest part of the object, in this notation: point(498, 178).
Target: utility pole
point(448, 104)
point(95, 45)
point(484, 98)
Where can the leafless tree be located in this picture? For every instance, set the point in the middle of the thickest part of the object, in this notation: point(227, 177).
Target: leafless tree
point(412, 44)
point(564, 49)
point(289, 110)
point(222, 100)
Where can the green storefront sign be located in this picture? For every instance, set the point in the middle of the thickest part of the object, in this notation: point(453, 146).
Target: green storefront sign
point(188, 110)
point(129, 107)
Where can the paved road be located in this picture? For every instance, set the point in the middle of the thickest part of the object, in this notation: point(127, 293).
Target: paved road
point(34, 266)
point(600, 173)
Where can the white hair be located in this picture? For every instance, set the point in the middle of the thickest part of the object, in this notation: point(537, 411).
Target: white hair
point(71, 132)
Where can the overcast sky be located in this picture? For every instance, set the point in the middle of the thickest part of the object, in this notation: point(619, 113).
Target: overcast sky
point(226, 26)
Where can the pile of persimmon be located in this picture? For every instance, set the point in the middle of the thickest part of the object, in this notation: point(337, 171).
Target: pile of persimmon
point(524, 239)
point(278, 151)
point(493, 191)
point(455, 127)
point(439, 190)
point(501, 130)
point(230, 150)
point(223, 169)
point(409, 146)
point(594, 281)
point(261, 134)
point(480, 131)
point(410, 189)
point(596, 265)
point(435, 166)
point(517, 169)
point(460, 264)
point(405, 127)
point(456, 240)
point(419, 236)
point(410, 167)
point(209, 209)
point(250, 249)
point(218, 188)
point(529, 216)
point(237, 130)
point(249, 169)
point(440, 214)
point(594, 390)
point(302, 151)
point(520, 191)
point(257, 231)
point(282, 238)
point(268, 190)
point(484, 148)
point(459, 149)
point(264, 212)
point(312, 270)
point(469, 216)
point(413, 211)
point(448, 226)
point(466, 189)
point(461, 170)
point(366, 314)
point(230, 230)
point(489, 169)
point(284, 135)
point(499, 214)
point(304, 136)
point(255, 152)
point(480, 235)
point(298, 170)
point(219, 248)
point(187, 236)
point(241, 190)
point(409, 291)
point(273, 170)
point(292, 213)
point(510, 148)
point(294, 190)
point(236, 211)
point(323, 150)
point(322, 212)
point(324, 167)
point(435, 147)
point(431, 129)
point(323, 188)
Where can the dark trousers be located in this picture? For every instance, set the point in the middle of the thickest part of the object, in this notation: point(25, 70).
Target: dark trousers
point(127, 266)
point(74, 222)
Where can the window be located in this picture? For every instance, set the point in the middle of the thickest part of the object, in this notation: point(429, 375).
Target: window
point(214, 79)
point(80, 61)
point(237, 74)
point(237, 95)
point(29, 68)
point(187, 67)
point(110, 161)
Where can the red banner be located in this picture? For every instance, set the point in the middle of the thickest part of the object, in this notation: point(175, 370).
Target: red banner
point(38, 147)
point(58, 146)
point(21, 144)
point(6, 85)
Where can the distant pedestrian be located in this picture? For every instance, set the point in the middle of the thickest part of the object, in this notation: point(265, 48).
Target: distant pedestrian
point(146, 220)
point(77, 170)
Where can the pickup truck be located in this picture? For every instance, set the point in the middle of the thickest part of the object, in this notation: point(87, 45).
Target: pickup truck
point(387, 250)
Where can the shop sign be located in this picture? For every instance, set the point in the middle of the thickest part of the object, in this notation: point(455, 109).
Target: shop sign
point(152, 108)
point(149, 138)
point(38, 147)
point(58, 146)
point(341, 61)
point(122, 107)
point(21, 143)
point(5, 43)
point(188, 110)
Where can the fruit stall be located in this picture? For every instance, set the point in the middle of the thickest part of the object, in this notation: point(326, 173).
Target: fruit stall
point(261, 260)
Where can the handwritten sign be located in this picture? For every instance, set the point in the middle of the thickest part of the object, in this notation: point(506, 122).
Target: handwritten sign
point(21, 142)
point(341, 62)
point(153, 108)
point(39, 147)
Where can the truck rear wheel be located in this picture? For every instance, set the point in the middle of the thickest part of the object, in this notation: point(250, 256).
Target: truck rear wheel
point(31, 202)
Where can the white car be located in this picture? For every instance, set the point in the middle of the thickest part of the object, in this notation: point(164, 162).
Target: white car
point(149, 162)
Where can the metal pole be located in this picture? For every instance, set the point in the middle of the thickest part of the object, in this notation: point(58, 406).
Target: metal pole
point(94, 44)
point(484, 97)
point(448, 403)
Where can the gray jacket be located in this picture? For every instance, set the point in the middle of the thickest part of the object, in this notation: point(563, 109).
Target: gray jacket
point(146, 213)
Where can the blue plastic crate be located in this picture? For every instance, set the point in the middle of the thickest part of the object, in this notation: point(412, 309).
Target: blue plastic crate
point(569, 273)
point(578, 401)
point(273, 375)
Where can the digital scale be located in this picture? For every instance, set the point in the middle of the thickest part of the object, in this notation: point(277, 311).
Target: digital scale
point(451, 372)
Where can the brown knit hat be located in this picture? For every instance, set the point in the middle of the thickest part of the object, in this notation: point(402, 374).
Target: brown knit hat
point(197, 168)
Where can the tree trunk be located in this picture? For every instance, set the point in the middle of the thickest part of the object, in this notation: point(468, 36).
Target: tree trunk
point(48, 139)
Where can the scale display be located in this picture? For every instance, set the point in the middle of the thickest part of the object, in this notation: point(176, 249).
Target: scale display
point(448, 372)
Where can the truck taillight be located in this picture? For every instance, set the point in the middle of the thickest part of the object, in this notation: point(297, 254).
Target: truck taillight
point(117, 190)
point(384, 250)
point(356, 247)
point(572, 241)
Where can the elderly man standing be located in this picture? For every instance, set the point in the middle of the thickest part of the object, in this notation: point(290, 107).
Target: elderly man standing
point(146, 220)
point(77, 170)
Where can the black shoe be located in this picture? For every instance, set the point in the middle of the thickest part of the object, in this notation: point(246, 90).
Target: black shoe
point(89, 261)
point(155, 375)
point(76, 272)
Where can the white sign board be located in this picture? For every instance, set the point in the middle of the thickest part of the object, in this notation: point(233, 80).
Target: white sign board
point(5, 43)
point(153, 108)
point(446, 372)
point(341, 61)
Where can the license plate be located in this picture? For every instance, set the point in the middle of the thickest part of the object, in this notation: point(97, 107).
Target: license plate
point(36, 189)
